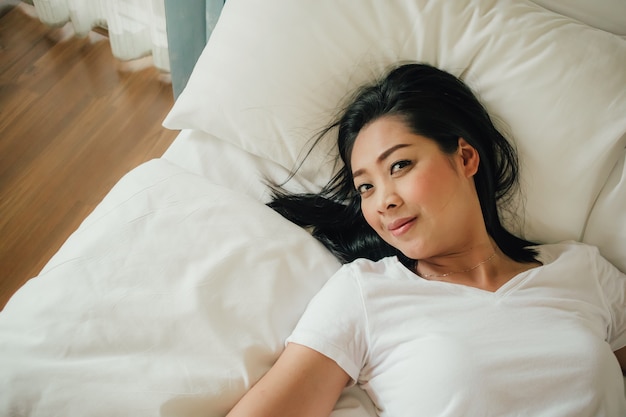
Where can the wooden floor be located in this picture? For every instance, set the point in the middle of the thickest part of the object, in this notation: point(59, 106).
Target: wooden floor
point(71, 124)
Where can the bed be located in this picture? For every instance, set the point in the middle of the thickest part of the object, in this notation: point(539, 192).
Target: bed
point(177, 292)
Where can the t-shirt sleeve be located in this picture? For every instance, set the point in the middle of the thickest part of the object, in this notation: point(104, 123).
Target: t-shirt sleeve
point(334, 323)
point(613, 284)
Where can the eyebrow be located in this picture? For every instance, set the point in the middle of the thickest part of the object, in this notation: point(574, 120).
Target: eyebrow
point(382, 157)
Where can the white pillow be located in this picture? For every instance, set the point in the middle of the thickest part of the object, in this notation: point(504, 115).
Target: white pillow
point(274, 73)
point(606, 226)
point(171, 299)
point(234, 168)
point(609, 15)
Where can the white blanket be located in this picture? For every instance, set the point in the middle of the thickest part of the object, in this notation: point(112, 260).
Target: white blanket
point(172, 298)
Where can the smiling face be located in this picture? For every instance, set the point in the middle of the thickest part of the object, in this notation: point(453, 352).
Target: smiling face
point(417, 198)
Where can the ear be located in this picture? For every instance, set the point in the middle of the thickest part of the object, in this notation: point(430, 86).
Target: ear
point(469, 157)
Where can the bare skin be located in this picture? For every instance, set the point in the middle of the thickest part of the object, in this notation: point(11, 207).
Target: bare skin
point(302, 382)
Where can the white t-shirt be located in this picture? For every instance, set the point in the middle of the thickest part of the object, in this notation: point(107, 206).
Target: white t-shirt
point(541, 345)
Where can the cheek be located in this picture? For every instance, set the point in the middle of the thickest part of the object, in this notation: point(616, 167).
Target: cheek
point(421, 191)
point(431, 189)
point(370, 214)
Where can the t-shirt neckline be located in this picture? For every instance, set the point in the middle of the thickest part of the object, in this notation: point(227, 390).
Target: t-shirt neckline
point(506, 288)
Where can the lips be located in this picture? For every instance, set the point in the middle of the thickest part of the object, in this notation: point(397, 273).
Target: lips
point(400, 226)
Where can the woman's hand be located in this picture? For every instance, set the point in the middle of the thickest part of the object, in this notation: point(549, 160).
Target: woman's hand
point(303, 383)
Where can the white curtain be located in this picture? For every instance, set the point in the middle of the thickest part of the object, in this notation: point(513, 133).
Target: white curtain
point(136, 27)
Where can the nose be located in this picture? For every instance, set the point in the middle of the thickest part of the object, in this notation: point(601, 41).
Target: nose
point(389, 199)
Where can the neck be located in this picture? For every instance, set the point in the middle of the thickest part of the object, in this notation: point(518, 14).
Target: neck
point(487, 270)
point(469, 263)
point(462, 271)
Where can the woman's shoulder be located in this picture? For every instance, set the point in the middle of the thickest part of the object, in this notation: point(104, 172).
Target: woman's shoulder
point(388, 267)
point(356, 279)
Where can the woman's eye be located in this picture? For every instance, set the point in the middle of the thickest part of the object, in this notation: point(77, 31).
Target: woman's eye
point(399, 166)
point(363, 188)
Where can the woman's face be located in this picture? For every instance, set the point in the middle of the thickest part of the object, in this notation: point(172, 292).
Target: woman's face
point(417, 198)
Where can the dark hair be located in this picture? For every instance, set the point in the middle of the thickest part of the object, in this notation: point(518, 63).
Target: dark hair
point(434, 104)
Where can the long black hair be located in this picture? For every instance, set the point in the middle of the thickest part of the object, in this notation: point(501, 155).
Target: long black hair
point(434, 104)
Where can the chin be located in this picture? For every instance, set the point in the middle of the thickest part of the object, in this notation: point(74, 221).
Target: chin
point(412, 253)
point(412, 249)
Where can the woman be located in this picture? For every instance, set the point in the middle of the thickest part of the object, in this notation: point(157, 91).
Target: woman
point(441, 311)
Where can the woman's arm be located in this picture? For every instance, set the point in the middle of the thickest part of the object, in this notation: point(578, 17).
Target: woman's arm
point(303, 383)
